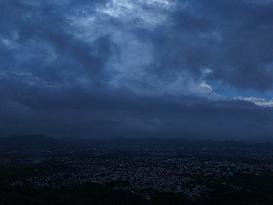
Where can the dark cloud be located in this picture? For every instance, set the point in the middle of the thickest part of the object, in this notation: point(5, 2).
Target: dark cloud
point(90, 69)
point(43, 47)
point(232, 38)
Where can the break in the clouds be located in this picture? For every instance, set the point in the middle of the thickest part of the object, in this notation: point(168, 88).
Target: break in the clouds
point(137, 68)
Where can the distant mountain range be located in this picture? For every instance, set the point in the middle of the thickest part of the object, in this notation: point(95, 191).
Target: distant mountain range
point(42, 143)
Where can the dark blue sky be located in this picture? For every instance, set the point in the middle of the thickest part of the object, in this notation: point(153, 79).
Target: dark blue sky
point(168, 68)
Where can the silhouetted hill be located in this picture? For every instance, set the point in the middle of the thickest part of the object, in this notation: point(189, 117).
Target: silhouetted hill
point(168, 144)
point(40, 142)
point(30, 142)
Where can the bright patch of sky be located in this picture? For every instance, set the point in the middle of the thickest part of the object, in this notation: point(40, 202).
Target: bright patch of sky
point(144, 13)
point(257, 101)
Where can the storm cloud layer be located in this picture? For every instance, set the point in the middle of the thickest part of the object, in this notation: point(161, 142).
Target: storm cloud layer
point(167, 68)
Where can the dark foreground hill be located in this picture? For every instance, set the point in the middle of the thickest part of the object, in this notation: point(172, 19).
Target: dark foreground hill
point(85, 194)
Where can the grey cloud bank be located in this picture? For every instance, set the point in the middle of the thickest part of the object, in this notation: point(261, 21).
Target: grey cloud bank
point(137, 68)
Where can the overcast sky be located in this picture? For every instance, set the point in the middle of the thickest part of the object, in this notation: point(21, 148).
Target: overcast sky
point(137, 68)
